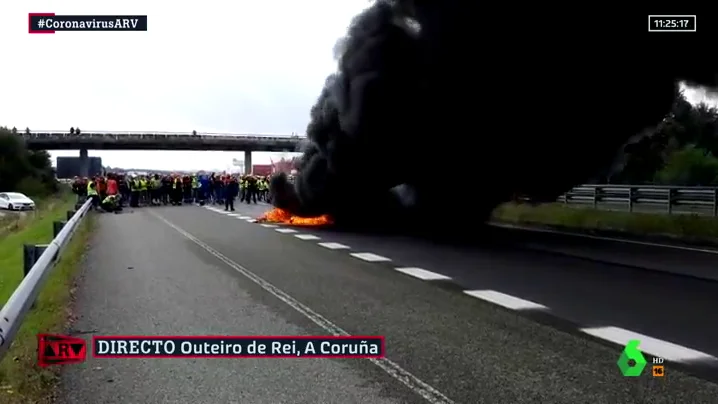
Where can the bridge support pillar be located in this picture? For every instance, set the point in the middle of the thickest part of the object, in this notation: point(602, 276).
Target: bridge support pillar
point(247, 162)
point(84, 163)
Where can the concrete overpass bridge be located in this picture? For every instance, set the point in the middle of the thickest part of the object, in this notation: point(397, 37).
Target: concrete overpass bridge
point(113, 140)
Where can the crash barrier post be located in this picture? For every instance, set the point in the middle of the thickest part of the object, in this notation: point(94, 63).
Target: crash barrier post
point(38, 261)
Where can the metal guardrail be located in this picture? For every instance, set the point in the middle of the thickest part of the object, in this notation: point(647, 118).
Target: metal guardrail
point(646, 198)
point(39, 260)
point(149, 134)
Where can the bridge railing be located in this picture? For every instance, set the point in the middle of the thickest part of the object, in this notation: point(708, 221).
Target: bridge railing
point(39, 261)
point(151, 135)
point(645, 198)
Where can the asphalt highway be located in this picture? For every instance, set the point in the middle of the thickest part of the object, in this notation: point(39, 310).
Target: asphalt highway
point(507, 322)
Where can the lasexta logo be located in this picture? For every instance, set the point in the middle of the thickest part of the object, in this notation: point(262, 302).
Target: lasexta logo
point(60, 350)
point(632, 362)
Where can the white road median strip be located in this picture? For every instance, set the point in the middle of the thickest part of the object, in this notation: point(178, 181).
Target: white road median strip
point(269, 226)
point(502, 299)
point(286, 231)
point(422, 274)
point(418, 386)
point(306, 236)
point(370, 257)
point(334, 246)
point(656, 347)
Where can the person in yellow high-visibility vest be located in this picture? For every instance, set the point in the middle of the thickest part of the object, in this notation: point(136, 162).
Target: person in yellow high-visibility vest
point(143, 190)
point(134, 192)
point(92, 193)
point(112, 203)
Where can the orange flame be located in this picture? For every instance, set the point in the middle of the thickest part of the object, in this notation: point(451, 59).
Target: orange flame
point(277, 215)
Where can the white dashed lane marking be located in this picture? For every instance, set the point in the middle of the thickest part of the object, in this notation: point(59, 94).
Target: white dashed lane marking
point(422, 274)
point(505, 300)
point(306, 236)
point(245, 217)
point(334, 246)
point(269, 226)
point(371, 257)
point(286, 231)
point(653, 346)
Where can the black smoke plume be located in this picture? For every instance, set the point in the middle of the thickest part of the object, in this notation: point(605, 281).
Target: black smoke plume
point(444, 109)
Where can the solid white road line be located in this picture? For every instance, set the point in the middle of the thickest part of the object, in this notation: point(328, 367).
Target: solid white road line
point(306, 236)
point(505, 300)
point(371, 257)
point(418, 386)
point(269, 226)
point(285, 231)
point(334, 246)
point(653, 346)
point(422, 274)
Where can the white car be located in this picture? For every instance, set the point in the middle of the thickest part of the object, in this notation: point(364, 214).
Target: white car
point(16, 201)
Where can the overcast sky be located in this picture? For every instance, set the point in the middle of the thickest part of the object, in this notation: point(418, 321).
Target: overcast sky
point(233, 66)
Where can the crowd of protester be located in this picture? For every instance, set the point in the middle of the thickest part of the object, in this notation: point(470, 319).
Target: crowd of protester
point(113, 191)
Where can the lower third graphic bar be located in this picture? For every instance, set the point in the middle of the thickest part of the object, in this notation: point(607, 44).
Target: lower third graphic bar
point(48, 23)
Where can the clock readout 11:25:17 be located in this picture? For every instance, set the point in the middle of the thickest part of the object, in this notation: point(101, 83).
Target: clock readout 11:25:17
point(675, 23)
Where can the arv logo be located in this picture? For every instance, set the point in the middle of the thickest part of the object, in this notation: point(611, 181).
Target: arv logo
point(60, 350)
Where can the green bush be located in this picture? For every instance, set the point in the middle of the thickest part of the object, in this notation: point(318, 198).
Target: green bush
point(690, 166)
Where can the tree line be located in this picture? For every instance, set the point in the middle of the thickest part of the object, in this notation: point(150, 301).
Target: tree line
point(681, 150)
point(23, 170)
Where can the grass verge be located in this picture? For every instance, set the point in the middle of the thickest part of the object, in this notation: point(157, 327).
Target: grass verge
point(21, 380)
point(693, 229)
point(12, 222)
